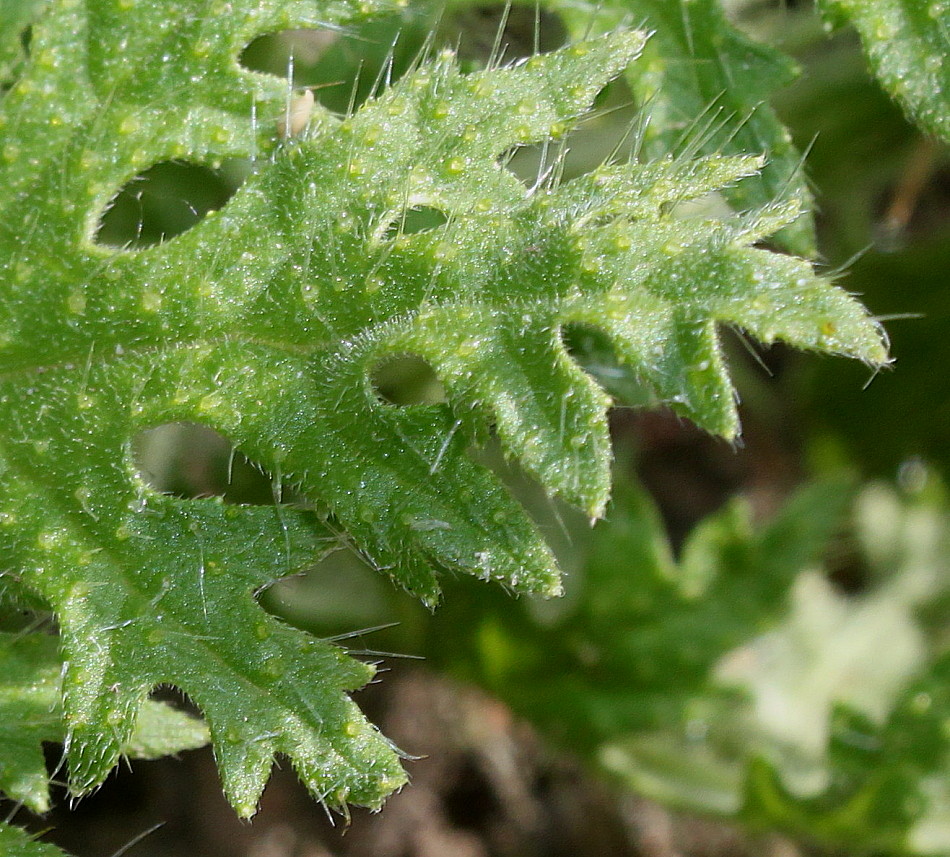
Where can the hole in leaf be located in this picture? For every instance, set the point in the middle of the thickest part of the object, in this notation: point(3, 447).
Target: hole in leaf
point(288, 50)
point(166, 200)
point(23, 610)
point(413, 220)
point(527, 30)
point(175, 698)
point(608, 133)
point(338, 595)
point(406, 379)
point(191, 461)
point(341, 66)
point(593, 351)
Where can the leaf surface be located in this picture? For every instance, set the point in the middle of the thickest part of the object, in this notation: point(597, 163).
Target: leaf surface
point(265, 322)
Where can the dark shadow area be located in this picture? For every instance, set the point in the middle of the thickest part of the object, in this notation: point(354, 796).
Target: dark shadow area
point(592, 350)
point(164, 201)
point(406, 379)
point(192, 461)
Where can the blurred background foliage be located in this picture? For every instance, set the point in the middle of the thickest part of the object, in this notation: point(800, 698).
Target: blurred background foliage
point(759, 632)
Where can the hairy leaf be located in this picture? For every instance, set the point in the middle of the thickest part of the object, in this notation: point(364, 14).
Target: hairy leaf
point(705, 87)
point(31, 713)
point(907, 43)
point(15, 842)
point(265, 322)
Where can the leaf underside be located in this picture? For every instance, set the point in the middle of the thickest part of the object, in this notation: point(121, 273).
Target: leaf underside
point(264, 323)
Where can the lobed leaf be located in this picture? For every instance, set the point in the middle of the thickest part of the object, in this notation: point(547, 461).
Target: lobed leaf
point(705, 88)
point(265, 321)
point(31, 713)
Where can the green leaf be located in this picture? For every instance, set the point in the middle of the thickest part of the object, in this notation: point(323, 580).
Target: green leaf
point(907, 43)
point(265, 322)
point(705, 87)
point(16, 842)
point(108, 555)
point(31, 713)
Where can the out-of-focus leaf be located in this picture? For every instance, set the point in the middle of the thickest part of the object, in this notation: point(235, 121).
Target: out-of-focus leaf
point(635, 647)
point(16, 842)
point(907, 43)
point(737, 680)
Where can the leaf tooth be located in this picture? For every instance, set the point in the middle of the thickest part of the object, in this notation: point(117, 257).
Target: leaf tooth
point(100, 717)
point(768, 220)
point(549, 414)
point(642, 191)
point(677, 355)
point(244, 766)
point(778, 297)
